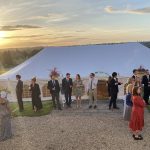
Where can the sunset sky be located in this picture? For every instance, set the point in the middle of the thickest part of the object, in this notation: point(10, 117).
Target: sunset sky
point(26, 23)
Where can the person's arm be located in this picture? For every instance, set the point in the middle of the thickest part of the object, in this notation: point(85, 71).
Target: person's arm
point(58, 86)
point(119, 83)
point(48, 85)
point(71, 83)
point(63, 83)
point(21, 86)
point(30, 87)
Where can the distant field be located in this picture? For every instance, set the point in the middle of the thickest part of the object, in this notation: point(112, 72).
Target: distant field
point(47, 108)
point(3, 71)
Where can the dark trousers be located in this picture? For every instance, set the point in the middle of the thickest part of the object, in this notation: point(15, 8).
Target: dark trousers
point(20, 102)
point(55, 99)
point(68, 98)
point(146, 94)
point(113, 100)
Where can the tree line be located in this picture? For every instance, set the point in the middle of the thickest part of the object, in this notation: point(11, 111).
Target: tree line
point(12, 58)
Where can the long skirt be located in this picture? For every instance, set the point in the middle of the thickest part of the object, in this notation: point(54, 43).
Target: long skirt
point(127, 113)
point(36, 102)
point(5, 130)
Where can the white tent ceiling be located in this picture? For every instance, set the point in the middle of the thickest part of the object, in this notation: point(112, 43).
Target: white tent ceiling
point(122, 58)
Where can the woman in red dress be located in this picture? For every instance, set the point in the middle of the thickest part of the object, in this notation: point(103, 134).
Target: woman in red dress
point(137, 116)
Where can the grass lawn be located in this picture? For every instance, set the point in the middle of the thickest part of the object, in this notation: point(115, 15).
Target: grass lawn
point(47, 108)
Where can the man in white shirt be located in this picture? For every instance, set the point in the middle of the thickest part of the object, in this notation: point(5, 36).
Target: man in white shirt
point(92, 91)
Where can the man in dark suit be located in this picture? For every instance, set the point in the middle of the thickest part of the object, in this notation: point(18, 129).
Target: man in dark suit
point(114, 90)
point(67, 85)
point(146, 84)
point(134, 74)
point(53, 86)
point(19, 92)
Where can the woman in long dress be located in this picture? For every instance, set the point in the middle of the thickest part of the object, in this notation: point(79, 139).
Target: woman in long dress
point(78, 89)
point(36, 95)
point(5, 120)
point(136, 123)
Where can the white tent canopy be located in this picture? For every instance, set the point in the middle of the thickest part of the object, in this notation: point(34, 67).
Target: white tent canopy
point(122, 58)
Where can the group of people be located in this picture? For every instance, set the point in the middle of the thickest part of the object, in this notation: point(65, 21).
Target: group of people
point(137, 97)
point(35, 94)
point(135, 101)
point(68, 85)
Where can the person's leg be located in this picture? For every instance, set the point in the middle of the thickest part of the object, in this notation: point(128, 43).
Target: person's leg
point(53, 99)
point(58, 102)
point(111, 101)
point(90, 98)
point(70, 93)
point(137, 136)
point(95, 98)
point(20, 103)
point(114, 101)
point(66, 98)
point(77, 101)
point(22, 108)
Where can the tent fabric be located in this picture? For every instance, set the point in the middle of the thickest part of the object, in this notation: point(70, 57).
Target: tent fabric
point(122, 58)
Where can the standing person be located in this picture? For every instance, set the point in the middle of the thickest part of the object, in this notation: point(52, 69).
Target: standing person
point(67, 85)
point(128, 100)
point(54, 87)
point(92, 91)
point(137, 116)
point(19, 92)
point(114, 90)
point(78, 88)
point(146, 83)
point(5, 119)
point(134, 73)
point(36, 95)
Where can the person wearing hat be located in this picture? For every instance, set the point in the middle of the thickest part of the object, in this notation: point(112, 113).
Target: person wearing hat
point(114, 89)
point(36, 95)
point(67, 85)
point(19, 92)
point(5, 118)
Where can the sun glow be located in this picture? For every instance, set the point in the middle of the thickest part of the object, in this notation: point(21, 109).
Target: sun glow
point(2, 34)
